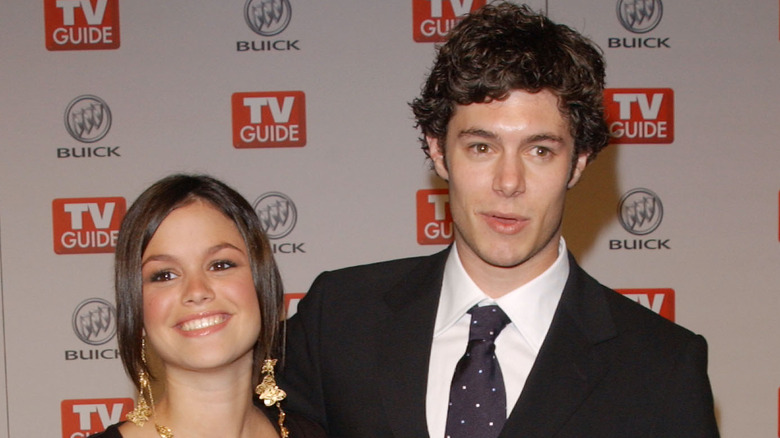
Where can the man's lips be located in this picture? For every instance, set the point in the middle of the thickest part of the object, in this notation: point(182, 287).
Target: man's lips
point(505, 223)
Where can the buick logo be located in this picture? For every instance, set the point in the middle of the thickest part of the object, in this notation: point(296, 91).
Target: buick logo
point(267, 17)
point(94, 321)
point(640, 211)
point(277, 214)
point(87, 118)
point(639, 16)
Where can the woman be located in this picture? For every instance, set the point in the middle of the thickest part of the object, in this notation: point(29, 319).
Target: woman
point(197, 287)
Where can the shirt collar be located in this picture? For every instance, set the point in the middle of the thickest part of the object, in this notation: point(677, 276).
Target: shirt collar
point(530, 307)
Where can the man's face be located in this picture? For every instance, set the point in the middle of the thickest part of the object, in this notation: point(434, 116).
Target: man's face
point(509, 165)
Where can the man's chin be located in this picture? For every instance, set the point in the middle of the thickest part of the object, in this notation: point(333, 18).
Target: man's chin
point(512, 258)
point(506, 261)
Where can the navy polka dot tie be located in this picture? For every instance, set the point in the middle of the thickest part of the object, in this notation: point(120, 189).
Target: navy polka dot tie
point(477, 395)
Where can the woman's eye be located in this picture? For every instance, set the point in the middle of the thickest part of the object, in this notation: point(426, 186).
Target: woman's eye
point(162, 276)
point(222, 265)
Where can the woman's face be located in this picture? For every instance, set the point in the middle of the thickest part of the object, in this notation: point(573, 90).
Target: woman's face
point(201, 311)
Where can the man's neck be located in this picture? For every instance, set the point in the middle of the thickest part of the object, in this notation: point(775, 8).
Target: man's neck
point(497, 281)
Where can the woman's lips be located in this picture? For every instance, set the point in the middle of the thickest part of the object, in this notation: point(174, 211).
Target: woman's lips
point(203, 322)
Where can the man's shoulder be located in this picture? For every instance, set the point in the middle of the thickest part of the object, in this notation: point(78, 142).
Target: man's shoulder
point(630, 317)
point(645, 326)
point(385, 272)
point(364, 289)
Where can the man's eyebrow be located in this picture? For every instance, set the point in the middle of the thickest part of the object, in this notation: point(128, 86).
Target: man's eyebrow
point(542, 137)
point(476, 132)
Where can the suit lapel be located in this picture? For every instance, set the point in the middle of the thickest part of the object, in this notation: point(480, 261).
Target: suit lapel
point(405, 346)
point(572, 361)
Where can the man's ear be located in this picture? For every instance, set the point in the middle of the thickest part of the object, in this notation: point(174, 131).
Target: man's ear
point(436, 151)
point(579, 167)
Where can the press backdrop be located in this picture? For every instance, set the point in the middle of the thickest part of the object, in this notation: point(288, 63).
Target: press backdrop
point(305, 111)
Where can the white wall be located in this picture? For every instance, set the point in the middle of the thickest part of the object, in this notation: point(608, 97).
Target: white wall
point(169, 85)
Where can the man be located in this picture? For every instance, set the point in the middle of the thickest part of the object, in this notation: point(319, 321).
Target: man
point(511, 114)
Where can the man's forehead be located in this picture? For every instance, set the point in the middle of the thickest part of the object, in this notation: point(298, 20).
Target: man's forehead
point(457, 109)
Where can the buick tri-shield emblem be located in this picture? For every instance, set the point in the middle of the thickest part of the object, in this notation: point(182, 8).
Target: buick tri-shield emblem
point(639, 16)
point(267, 17)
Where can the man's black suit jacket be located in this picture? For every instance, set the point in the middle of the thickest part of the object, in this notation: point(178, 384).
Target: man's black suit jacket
point(358, 348)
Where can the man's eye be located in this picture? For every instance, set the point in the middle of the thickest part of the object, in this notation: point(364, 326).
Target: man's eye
point(481, 148)
point(540, 151)
point(222, 265)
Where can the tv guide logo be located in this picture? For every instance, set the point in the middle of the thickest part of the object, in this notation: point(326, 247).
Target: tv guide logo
point(291, 301)
point(86, 225)
point(269, 119)
point(434, 220)
point(660, 301)
point(432, 19)
point(640, 115)
point(82, 418)
point(81, 24)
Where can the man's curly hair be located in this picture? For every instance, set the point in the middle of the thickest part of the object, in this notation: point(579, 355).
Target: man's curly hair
point(506, 47)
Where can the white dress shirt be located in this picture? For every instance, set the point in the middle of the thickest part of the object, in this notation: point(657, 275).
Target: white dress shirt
point(530, 309)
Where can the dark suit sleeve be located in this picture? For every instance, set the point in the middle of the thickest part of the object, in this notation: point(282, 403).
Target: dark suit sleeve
point(301, 376)
point(688, 405)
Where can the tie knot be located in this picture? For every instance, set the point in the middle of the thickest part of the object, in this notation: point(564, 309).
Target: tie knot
point(487, 322)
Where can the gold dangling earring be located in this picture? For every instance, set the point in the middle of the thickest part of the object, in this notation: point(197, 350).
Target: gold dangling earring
point(143, 410)
point(140, 415)
point(270, 394)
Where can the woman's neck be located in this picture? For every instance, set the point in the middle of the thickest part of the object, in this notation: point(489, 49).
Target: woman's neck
point(208, 404)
